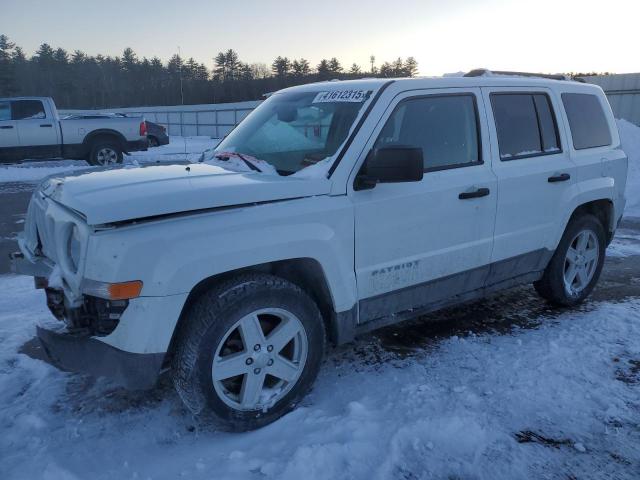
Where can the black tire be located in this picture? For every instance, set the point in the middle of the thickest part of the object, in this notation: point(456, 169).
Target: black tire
point(552, 286)
point(207, 321)
point(99, 146)
point(153, 141)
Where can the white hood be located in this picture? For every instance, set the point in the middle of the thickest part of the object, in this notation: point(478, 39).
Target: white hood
point(109, 196)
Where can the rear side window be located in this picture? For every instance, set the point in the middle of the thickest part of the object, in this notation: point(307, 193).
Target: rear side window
point(587, 121)
point(445, 127)
point(526, 125)
point(27, 109)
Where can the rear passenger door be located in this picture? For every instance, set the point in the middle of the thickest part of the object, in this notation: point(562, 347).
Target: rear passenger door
point(535, 177)
point(38, 133)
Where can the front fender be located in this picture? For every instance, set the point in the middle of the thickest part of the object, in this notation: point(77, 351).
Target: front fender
point(172, 256)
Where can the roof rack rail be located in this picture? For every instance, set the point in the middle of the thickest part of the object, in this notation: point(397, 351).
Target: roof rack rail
point(479, 72)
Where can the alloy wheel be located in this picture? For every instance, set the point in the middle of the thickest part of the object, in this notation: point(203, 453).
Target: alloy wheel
point(581, 262)
point(107, 156)
point(259, 359)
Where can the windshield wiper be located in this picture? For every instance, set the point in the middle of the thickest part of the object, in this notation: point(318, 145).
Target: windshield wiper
point(250, 164)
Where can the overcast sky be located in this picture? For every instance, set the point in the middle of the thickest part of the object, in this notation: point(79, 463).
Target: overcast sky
point(443, 35)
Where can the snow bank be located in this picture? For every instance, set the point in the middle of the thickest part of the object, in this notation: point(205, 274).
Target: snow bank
point(630, 139)
point(36, 171)
point(474, 407)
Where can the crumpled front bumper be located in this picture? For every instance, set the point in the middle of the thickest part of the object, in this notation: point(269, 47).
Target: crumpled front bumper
point(83, 354)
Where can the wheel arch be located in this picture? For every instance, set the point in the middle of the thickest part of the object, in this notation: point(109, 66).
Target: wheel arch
point(602, 209)
point(103, 134)
point(306, 273)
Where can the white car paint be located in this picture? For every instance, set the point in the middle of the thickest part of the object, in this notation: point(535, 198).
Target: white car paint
point(205, 221)
point(122, 194)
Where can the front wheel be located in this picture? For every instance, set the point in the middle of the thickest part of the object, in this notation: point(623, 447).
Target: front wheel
point(577, 263)
point(250, 350)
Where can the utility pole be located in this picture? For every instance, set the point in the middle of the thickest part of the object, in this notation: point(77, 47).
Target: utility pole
point(180, 70)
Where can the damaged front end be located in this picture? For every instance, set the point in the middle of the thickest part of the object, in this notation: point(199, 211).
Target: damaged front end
point(52, 250)
point(94, 316)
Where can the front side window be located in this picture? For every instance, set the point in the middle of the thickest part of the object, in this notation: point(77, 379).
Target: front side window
point(5, 111)
point(587, 121)
point(445, 127)
point(27, 110)
point(525, 124)
point(293, 130)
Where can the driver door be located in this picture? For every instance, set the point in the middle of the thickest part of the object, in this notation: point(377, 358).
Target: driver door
point(420, 243)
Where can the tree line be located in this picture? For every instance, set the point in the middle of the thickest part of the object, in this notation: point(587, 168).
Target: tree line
point(78, 80)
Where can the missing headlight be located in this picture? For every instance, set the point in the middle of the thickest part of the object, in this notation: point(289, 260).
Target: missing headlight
point(74, 248)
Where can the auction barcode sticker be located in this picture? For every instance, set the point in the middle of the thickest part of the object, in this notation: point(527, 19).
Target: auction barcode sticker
point(341, 96)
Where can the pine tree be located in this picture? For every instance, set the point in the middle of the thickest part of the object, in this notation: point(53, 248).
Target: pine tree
point(129, 60)
point(78, 80)
point(232, 64)
point(334, 66)
point(323, 69)
point(410, 67)
point(398, 67)
point(281, 67)
point(386, 70)
point(220, 69)
point(7, 71)
point(305, 69)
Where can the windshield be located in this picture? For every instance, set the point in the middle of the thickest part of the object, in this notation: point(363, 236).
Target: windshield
point(294, 130)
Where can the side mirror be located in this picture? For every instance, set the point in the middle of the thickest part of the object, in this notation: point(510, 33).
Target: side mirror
point(393, 164)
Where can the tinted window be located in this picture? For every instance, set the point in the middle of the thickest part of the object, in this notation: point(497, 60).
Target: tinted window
point(445, 127)
point(27, 109)
point(525, 124)
point(587, 121)
point(547, 124)
point(5, 111)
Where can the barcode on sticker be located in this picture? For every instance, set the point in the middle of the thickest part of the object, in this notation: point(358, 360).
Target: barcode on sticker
point(341, 96)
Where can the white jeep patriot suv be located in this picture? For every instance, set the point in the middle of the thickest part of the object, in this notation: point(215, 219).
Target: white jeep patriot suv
point(332, 209)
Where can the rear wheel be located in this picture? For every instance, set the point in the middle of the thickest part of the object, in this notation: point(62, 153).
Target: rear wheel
point(577, 263)
point(105, 153)
point(250, 350)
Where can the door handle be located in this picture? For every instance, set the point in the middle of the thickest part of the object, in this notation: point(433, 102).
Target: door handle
point(481, 192)
point(46, 125)
point(6, 127)
point(563, 177)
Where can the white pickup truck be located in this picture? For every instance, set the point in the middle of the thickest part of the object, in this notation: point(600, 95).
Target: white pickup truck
point(332, 209)
point(30, 128)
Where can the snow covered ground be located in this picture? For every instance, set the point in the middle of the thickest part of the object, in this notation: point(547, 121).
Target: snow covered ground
point(557, 400)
